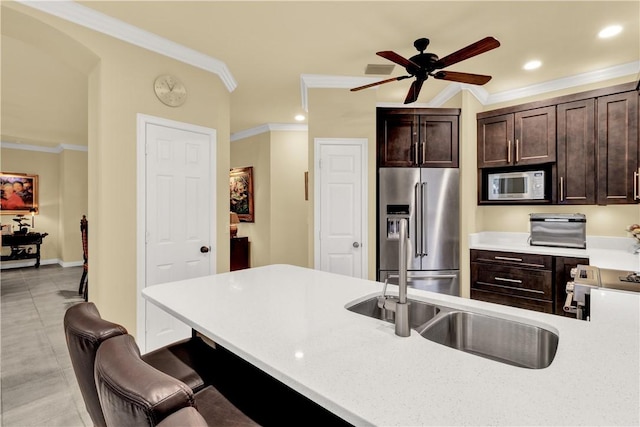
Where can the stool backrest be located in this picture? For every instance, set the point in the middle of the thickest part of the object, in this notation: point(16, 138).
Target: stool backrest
point(85, 332)
point(84, 232)
point(132, 392)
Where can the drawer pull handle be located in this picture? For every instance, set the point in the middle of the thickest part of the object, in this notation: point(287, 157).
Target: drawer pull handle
point(506, 258)
point(502, 279)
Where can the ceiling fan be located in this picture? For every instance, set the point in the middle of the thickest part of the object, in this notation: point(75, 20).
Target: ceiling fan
point(424, 65)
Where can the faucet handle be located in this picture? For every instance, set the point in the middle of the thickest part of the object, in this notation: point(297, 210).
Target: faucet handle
point(384, 288)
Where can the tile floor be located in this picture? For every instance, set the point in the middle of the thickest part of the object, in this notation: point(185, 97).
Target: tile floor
point(37, 383)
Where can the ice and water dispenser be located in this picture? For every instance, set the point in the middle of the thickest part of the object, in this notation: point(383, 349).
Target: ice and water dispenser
point(394, 214)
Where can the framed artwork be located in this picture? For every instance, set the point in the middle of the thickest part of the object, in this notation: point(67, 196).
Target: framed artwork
point(19, 193)
point(241, 193)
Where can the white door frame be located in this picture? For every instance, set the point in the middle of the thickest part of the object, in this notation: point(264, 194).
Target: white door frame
point(363, 143)
point(141, 187)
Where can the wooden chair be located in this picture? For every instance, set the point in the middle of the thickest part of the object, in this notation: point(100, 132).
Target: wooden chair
point(84, 283)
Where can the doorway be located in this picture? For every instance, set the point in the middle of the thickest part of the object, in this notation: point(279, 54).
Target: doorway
point(176, 217)
point(340, 212)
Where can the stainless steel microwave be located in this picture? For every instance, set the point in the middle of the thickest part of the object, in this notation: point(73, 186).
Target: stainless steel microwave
point(528, 185)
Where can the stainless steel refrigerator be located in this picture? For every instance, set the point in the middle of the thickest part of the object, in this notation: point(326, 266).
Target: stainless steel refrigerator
point(429, 199)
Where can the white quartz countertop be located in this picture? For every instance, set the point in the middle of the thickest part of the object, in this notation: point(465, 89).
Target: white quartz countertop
point(292, 323)
point(614, 253)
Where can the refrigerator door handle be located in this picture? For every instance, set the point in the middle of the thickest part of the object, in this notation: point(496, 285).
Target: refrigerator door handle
point(424, 244)
point(417, 217)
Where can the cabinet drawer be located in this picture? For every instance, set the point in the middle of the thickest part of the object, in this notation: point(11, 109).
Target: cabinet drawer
point(544, 262)
point(526, 303)
point(523, 282)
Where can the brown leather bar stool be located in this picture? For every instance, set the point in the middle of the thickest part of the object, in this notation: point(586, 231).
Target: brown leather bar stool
point(86, 331)
point(133, 393)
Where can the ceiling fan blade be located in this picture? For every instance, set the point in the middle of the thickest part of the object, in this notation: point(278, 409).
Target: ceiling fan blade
point(481, 46)
point(355, 89)
point(394, 57)
point(414, 91)
point(474, 79)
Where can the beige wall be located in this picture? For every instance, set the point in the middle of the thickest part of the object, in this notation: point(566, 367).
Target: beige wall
point(279, 160)
point(61, 192)
point(255, 151)
point(74, 196)
point(289, 161)
point(339, 113)
point(120, 87)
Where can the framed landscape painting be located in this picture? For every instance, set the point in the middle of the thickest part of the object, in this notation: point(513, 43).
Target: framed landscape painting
point(18, 193)
point(241, 193)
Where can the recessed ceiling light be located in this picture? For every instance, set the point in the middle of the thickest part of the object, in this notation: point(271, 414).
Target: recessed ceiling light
point(299, 117)
point(610, 31)
point(532, 65)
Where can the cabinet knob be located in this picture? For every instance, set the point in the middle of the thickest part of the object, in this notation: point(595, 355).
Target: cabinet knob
point(204, 249)
point(356, 244)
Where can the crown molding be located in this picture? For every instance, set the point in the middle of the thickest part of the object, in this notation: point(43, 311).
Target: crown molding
point(566, 82)
point(43, 149)
point(322, 81)
point(97, 21)
point(337, 82)
point(269, 127)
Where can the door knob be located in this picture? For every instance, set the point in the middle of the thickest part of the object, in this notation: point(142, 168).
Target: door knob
point(204, 249)
point(356, 244)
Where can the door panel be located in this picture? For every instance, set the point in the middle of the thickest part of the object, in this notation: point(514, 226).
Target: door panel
point(178, 219)
point(398, 189)
point(341, 209)
point(441, 217)
point(617, 148)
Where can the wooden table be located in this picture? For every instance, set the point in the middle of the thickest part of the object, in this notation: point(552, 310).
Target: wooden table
point(20, 249)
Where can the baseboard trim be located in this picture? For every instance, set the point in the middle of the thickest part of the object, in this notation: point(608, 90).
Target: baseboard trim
point(6, 265)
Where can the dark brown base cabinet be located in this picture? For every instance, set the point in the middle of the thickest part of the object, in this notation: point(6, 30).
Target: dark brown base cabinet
point(528, 281)
point(239, 257)
point(562, 274)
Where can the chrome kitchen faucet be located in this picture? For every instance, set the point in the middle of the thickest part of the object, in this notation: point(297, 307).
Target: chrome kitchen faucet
point(399, 305)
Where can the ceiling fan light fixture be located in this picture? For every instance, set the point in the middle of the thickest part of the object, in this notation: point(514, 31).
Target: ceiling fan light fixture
point(532, 65)
point(610, 31)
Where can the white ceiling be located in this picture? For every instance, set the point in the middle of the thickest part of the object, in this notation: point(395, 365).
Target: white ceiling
point(267, 45)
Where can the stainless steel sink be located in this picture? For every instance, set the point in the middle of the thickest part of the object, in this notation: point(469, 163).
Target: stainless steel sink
point(503, 340)
point(419, 312)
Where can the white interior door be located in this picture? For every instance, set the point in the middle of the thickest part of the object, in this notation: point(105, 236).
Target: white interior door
point(341, 217)
point(180, 225)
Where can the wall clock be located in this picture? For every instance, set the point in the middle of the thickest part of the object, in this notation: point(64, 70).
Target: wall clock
point(170, 90)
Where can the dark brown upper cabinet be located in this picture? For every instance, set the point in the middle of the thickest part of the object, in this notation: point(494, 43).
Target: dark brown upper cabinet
point(576, 153)
point(418, 137)
point(526, 137)
point(618, 149)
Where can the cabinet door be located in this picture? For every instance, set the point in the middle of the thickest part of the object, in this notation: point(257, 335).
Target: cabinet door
point(535, 132)
point(618, 148)
point(495, 138)
point(397, 140)
point(576, 152)
point(438, 141)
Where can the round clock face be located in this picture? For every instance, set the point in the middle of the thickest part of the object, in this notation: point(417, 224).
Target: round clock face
point(170, 90)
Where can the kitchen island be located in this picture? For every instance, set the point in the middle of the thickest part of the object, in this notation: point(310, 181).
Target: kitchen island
point(291, 322)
